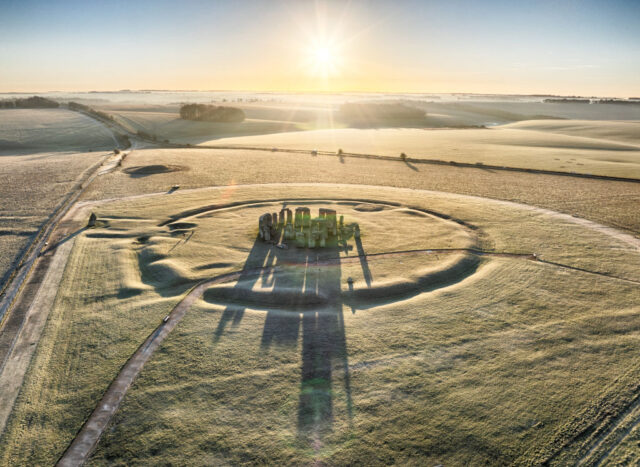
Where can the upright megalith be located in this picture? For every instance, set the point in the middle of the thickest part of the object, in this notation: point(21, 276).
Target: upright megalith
point(303, 218)
point(265, 227)
point(306, 231)
point(319, 233)
point(92, 220)
point(286, 219)
point(330, 217)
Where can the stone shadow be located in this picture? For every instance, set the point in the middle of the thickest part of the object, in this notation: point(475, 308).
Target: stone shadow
point(305, 303)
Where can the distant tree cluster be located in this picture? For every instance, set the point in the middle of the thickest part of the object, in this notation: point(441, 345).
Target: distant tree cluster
point(211, 113)
point(380, 112)
point(566, 101)
point(34, 102)
point(617, 101)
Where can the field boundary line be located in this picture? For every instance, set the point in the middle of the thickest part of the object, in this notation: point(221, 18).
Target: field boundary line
point(412, 160)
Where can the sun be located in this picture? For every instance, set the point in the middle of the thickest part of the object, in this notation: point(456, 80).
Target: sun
point(323, 56)
point(324, 60)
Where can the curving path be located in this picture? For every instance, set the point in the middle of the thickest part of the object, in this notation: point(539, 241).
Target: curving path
point(85, 441)
point(83, 444)
point(87, 438)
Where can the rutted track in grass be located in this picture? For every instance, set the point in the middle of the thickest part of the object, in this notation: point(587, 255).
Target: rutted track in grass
point(14, 284)
point(608, 441)
point(30, 253)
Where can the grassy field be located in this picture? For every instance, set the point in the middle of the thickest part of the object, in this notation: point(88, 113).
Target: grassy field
point(166, 124)
point(43, 153)
point(449, 357)
point(626, 132)
point(426, 373)
point(499, 112)
point(498, 146)
point(606, 202)
point(50, 130)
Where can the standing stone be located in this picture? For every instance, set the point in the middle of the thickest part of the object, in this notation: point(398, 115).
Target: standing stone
point(265, 225)
point(92, 220)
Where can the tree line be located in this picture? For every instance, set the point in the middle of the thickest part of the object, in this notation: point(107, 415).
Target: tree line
point(33, 102)
point(123, 140)
point(211, 113)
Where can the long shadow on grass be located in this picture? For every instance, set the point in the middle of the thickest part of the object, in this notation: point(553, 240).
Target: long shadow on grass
point(304, 303)
point(233, 313)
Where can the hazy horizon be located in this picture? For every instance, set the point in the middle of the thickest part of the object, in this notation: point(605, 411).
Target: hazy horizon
point(561, 48)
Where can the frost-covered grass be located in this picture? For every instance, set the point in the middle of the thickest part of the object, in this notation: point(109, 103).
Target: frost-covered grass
point(499, 367)
point(501, 146)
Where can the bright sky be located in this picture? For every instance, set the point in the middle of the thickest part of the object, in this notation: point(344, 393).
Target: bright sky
point(580, 47)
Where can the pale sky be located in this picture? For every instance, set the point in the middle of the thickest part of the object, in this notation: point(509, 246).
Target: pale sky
point(564, 47)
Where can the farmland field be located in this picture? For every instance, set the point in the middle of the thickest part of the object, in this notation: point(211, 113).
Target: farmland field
point(43, 154)
point(509, 146)
point(164, 123)
point(48, 130)
point(559, 142)
point(319, 233)
point(481, 316)
point(319, 380)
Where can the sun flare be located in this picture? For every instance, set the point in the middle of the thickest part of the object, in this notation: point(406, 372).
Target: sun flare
point(324, 60)
point(323, 56)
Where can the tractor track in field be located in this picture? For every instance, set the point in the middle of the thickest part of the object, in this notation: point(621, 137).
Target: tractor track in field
point(618, 431)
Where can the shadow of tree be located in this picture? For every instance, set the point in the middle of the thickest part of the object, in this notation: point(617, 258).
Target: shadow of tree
point(411, 166)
